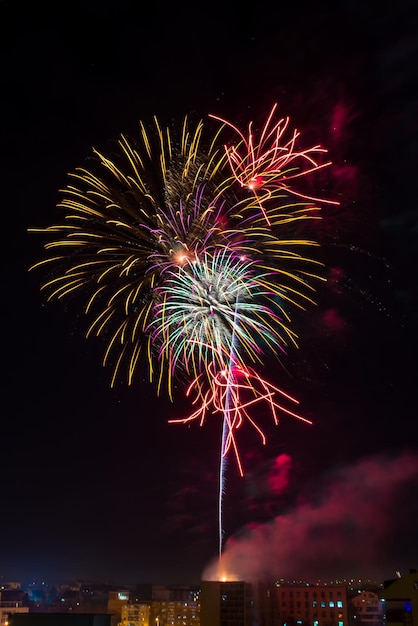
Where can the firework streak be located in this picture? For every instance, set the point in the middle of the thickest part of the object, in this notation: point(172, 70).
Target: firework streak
point(184, 247)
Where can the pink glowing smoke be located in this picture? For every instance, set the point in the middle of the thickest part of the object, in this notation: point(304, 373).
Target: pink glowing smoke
point(279, 474)
point(346, 524)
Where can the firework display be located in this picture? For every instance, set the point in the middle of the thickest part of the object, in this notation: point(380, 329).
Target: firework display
point(271, 162)
point(233, 392)
point(183, 246)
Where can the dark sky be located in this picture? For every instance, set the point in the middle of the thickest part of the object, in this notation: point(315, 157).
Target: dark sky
point(95, 483)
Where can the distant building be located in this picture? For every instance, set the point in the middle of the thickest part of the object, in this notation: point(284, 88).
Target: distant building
point(59, 619)
point(161, 613)
point(145, 593)
point(176, 612)
point(400, 598)
point(142, 593)
point(94, 598)
point(136, 614)
point(312, 605)
point(7, 609)
point(368, 609)
point(226, 604)
point(155, 605)
point(116, 600)
point(11, 601)
point(264, 608)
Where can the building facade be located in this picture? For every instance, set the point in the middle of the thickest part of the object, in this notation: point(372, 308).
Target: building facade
point(312, 605)
point(400, 600)
point(7, 609)
point(59, 619)
point(226, 604)
point(136, 614)
point(368, 609)
point(116, 600)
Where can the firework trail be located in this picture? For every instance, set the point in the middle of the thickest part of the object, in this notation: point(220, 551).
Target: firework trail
point(184, 250)
point(226, 429)
point(267, 165)
point(214, 313)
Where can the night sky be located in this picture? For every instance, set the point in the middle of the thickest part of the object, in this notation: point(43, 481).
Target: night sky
point(94, 483)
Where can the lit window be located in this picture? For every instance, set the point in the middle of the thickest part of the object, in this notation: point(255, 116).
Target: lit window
point(339, 603)
point(340, 623)
point(331, 604)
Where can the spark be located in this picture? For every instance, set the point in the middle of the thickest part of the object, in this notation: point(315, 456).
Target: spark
point(247, 388)
point(268, 163)
point(163, 203)
point(127, 221)
point(206, 302)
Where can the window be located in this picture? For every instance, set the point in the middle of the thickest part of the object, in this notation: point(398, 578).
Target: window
point(331, 604)
point(123, 596)
point(339, 603)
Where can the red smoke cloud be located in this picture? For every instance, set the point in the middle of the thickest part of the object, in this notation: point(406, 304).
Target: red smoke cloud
point(279, 475)
point(350, 523)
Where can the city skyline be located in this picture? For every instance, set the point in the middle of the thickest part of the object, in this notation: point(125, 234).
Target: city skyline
point(95, 480)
